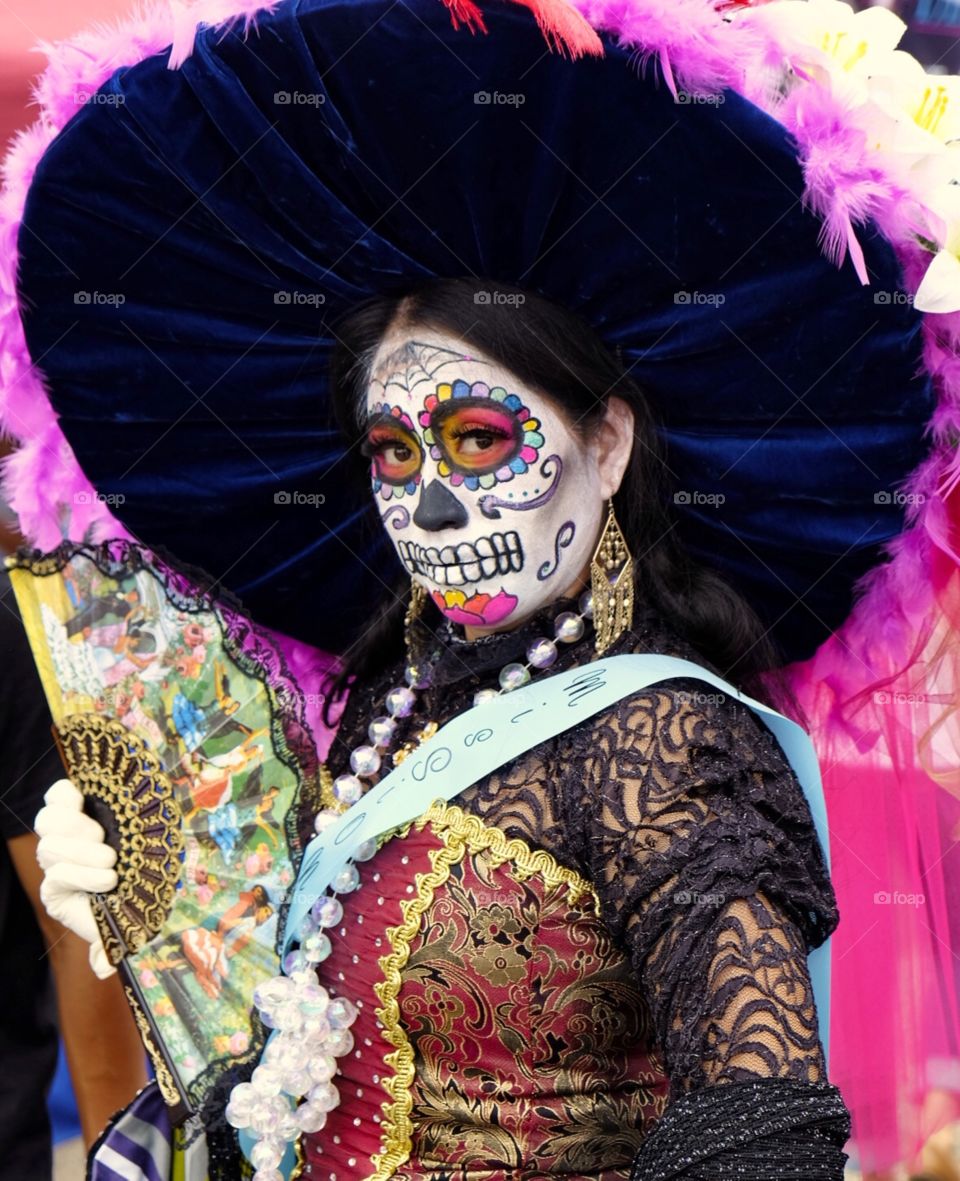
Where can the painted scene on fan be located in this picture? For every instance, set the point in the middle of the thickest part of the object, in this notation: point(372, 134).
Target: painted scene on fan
point(120, 648)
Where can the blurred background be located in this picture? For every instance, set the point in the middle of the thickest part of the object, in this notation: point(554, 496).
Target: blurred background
point(933, 37)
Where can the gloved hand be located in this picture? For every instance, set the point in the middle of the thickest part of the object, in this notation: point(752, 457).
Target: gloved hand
point(76, 862)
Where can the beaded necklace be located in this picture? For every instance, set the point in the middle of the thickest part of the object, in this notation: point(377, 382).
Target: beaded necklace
point(311, 1029)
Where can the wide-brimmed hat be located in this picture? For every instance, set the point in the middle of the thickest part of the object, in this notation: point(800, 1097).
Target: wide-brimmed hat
point(192, 235)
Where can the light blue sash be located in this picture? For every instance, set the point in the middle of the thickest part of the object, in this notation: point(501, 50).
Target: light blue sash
point(483, 738)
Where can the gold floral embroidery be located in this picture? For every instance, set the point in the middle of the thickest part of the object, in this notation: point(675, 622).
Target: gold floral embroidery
point(460, 834)
point(327, 798)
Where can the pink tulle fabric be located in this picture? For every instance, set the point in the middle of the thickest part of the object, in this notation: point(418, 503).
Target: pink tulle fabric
point(880, 697)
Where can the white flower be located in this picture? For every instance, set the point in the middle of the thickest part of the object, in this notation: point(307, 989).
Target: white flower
point(827, 37)
point(939, 291)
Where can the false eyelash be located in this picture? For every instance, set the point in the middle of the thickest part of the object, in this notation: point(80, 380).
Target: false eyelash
point(461, 432)
point(371, 447)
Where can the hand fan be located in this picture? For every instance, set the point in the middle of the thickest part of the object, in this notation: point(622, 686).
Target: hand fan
point(181, 725)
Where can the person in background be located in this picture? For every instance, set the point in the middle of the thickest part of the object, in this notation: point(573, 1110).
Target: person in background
point(47, 979)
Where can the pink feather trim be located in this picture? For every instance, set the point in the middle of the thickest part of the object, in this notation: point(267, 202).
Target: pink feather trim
point(188, 15)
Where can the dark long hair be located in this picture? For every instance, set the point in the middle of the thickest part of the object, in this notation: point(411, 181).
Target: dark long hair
point(555, 352)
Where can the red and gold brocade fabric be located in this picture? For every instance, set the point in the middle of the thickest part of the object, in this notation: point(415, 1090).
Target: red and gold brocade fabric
point(500, 1032)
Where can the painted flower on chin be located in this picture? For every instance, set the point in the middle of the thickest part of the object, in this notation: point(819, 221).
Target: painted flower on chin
point(480, 609)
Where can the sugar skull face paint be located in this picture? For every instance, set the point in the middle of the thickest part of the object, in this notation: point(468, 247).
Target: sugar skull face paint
point(504, 496)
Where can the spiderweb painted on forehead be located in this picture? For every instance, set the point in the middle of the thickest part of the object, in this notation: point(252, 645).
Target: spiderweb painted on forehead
point(412, 362)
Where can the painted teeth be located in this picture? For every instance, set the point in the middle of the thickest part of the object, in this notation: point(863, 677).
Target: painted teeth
point(468, 562)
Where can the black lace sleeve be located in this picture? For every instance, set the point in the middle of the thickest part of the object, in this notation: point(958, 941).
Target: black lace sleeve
point(701, 845)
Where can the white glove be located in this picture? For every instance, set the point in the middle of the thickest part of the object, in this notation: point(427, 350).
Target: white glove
point(76, 862)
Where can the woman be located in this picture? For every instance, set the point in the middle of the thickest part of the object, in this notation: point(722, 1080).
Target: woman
point(180, 300)
point(596, 955)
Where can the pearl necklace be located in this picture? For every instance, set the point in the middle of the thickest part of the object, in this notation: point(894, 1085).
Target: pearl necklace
point(311, 1029)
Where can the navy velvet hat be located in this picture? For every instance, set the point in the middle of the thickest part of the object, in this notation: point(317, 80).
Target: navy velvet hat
point(242, 203)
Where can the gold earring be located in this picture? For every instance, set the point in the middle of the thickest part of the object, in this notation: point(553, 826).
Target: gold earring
point(611, 583)
point(418, 600)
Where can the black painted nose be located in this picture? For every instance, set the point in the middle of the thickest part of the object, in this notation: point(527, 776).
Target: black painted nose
point(439, 509)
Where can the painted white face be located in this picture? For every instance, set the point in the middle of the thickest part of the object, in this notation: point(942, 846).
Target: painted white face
point(491, 501)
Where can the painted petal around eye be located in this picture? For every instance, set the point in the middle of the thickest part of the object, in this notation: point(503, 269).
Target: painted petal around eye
point(444, 391)
point(460, 388)
point(528, 454)
point(518, 466)
point(513, 402)
point(491, 478)
point(533, 439)
point(531, 425)
point(498, 393)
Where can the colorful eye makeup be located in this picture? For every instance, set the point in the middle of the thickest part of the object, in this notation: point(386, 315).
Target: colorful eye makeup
point(392, 447)
point(479, 436)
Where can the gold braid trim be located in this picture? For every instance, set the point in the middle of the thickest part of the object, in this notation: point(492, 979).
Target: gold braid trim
point(165, 1082)
point(460, 834)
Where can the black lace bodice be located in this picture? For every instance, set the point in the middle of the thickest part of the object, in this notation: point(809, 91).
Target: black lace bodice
point(680, 807)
